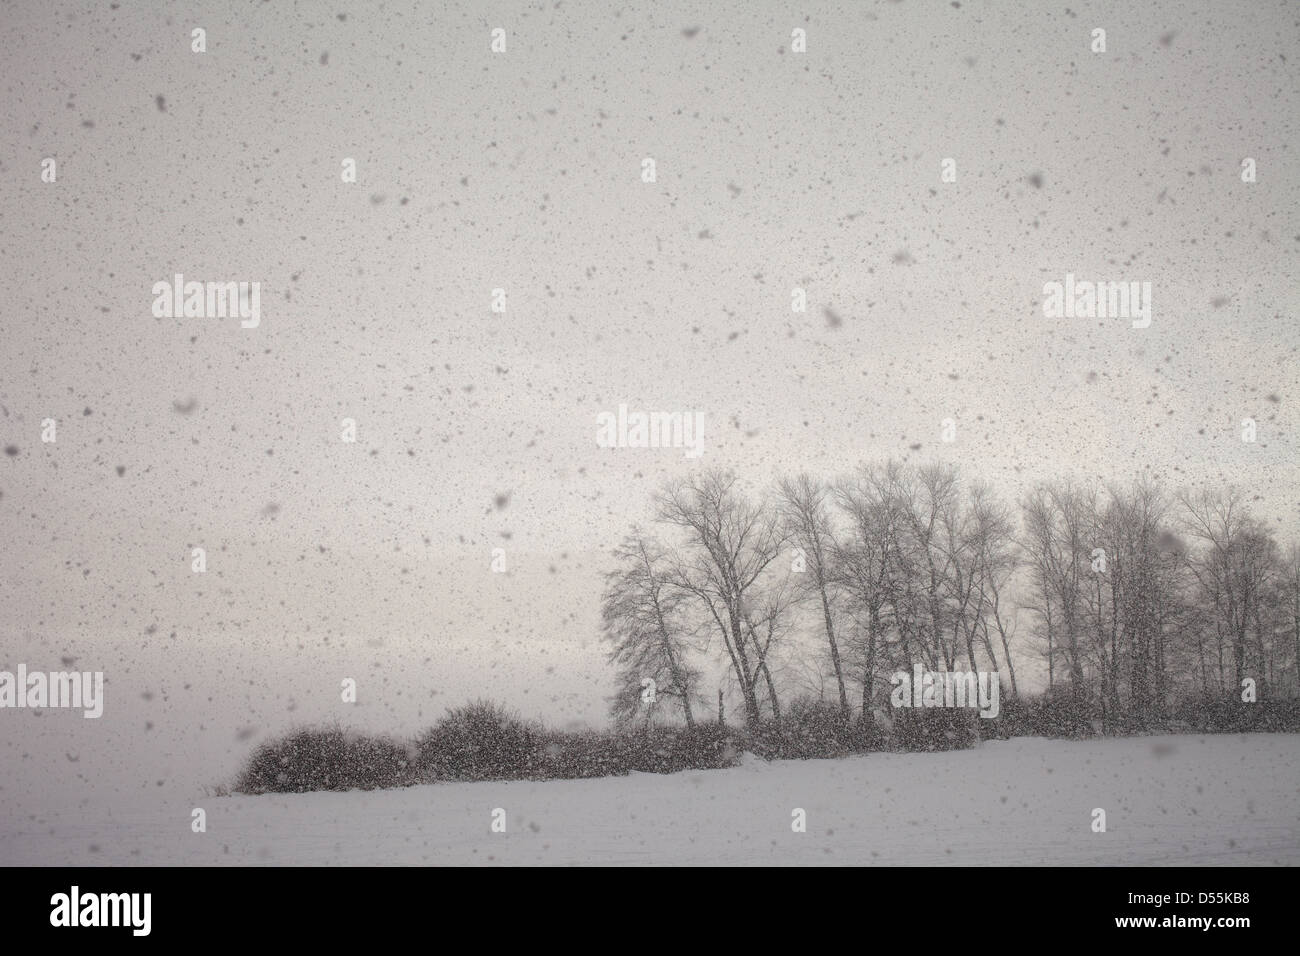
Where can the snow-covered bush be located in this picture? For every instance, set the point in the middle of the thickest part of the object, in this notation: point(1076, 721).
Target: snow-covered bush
point(480, 741)
point(815, 729)
point(934, 728)
point(327, 758)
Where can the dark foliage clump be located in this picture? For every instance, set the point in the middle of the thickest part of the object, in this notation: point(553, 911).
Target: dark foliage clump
point(868, 734)
point(815, 729)
point(1217, 715)
point(649, 750)
point(480, 741)
point(1014, 719)
point(576, 756)
point(934, 728)
point(702, 747)
point(1062, 715)
point(325, 759)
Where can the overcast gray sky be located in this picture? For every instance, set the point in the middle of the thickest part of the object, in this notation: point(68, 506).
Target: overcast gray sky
point(476, 430)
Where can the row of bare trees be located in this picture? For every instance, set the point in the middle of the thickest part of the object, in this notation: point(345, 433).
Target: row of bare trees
point(1131, 596)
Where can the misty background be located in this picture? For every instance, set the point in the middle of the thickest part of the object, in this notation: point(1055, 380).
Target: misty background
point(477, 430)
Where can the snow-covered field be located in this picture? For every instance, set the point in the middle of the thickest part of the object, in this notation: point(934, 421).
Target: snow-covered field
point(1215, 800)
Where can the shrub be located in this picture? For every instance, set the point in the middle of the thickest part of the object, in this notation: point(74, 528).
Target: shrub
point(1014, 719)
point(1062, 715)
point(325, 759)
point(814, 729)
point(656, 750)
point(575, 756)
point(480, 741)
point(1219, 715)
point(868, 734)
point(934, 728)
point(702, 747)
point(764, 740)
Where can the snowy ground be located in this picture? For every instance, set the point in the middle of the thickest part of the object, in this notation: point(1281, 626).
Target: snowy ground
point(1215, 800)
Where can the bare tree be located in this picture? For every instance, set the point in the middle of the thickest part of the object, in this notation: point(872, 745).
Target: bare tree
point(991, 558)
point(730, 541)
point(862, 569)
point(909, 564)
point(1055, 542)
point(923, 500)
point(803, 506)
point(1232, 569)
point(1290, 584)
point(642, 617)
point(766, 622)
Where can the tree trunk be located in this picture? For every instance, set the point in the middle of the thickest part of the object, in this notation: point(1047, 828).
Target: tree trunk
point(771, 692)
point(835, 650)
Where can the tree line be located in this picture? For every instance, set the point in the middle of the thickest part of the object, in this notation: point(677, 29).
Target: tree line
point(1134, 596)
